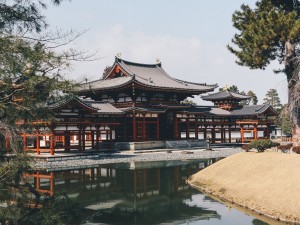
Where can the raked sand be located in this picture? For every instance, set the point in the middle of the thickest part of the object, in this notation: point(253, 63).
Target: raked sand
point(268, 183)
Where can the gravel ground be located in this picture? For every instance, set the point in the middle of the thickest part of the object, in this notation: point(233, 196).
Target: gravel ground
point(125, 157)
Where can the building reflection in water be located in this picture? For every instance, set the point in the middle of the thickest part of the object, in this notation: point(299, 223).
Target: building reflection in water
point(128, 193)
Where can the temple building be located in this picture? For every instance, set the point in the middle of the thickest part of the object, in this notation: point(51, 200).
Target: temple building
point(141, 105)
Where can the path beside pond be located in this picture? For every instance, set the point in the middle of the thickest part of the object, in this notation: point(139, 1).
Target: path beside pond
point(268, 183)
point(126, 157)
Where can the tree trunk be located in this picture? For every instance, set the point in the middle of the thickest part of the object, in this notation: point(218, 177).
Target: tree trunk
point(294, 115)
point(292, 69)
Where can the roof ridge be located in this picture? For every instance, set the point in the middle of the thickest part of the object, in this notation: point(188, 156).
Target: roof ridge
point(194, 83)
point(135, 63)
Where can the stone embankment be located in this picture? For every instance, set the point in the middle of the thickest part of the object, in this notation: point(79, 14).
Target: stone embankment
point(126, 157)
point(267, 183)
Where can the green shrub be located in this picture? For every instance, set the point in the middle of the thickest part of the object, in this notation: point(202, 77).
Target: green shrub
point(262, 144)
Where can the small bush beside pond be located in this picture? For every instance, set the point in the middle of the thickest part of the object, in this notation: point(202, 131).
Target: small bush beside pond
point(262, 144)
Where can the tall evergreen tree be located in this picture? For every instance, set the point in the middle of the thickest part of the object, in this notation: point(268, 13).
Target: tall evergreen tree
point(31, 72)
point(253, 100)
point(273, 99)
point(271, 31)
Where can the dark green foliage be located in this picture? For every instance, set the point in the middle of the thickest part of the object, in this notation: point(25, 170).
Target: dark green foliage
point(271, 32)
point(31, 69)
point(265, 33)
point(262, 144)
point(22, 15)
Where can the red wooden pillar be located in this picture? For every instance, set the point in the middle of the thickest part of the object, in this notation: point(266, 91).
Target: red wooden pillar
point(157, 128)
point(134, 126)
point(97, 137)
point(187, 136)
point(255, 131)
point(144, 127)
point(51, 183)
point(79, 139)
point(93, 138)
point(83, 138)
point(242, 134)
point(213, 134)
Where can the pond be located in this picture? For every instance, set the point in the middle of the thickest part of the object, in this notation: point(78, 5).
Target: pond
point(136, 193)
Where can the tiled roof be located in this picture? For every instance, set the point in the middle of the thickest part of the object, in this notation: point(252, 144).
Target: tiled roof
point(151, 75)
point(93, 106)
point(106, 108)
point(196, 110)
point(245, 110)
point(225, 95)
point(219, 112)
point(105, 84)
point(253, 110)
point(68, 100)
point(155, 76)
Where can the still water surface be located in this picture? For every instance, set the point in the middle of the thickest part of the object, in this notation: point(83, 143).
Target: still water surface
point(139, 193)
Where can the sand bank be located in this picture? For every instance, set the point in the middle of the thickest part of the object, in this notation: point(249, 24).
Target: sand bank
point(268, 183)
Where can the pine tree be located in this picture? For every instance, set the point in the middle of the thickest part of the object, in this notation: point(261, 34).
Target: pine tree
point(273, 99)
point(253, 99)
point(31, 72)
point(271, 32)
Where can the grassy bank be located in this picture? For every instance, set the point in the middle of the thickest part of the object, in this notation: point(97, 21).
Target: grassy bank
point(268, 183)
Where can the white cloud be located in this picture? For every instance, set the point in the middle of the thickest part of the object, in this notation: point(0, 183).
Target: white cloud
point(183, 58)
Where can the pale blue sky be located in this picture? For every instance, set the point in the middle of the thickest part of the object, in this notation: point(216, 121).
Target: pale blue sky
point(188, 36)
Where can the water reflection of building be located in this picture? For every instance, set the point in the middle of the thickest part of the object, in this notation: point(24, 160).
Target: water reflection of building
point(129, 191)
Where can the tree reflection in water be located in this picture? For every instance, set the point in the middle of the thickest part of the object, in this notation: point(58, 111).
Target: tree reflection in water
point(121, 194)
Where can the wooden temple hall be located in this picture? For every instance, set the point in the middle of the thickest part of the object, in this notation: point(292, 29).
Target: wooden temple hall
point(138, 106)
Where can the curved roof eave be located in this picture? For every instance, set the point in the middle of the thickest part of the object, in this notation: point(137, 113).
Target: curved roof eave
point(63, 103)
